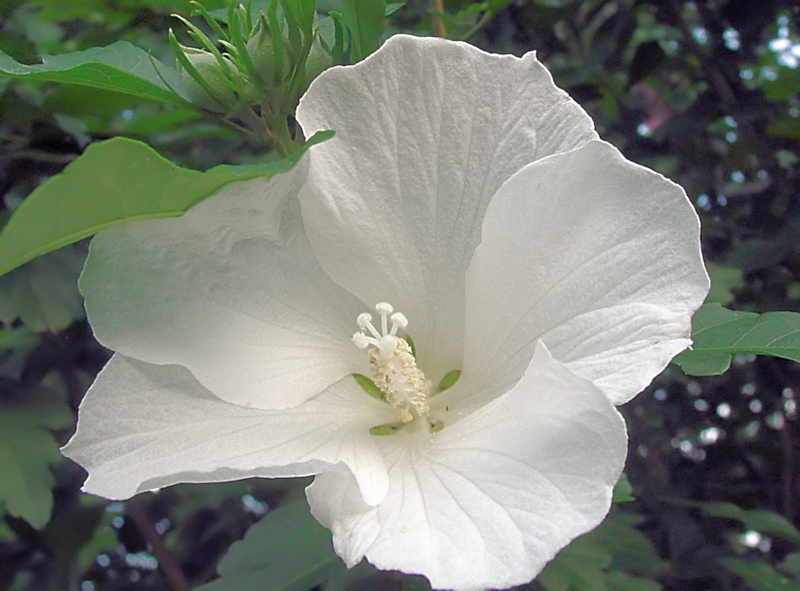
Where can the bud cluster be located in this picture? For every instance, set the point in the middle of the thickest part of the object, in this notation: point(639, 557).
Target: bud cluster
point(261, 64)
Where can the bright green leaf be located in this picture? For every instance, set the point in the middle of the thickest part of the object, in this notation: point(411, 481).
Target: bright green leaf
point(286, 551)
point(27, 448)
point(120, 67)
point(365, 20)
point(719, 333)
point(115, 181)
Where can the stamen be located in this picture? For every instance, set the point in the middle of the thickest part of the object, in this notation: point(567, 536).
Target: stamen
point(394, 369)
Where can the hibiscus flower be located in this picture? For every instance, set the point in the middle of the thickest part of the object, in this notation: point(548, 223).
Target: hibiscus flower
point(435, 313)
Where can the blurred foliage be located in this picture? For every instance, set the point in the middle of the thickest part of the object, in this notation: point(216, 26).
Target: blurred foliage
point(704, 92)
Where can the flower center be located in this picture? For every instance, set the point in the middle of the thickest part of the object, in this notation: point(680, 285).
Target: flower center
point(394, 369)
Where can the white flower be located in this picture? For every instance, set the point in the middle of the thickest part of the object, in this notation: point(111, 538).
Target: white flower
point(469, 192)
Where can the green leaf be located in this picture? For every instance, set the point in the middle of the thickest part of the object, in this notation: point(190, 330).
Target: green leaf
point(791, 565)
point(632, 551)
point(115, 181)
point(614, 557)
point(27, 448)
point(44, 295)
point(765, 522)
point(723, 280)
point(120, 67)
point(578, 566)
point(619, 581)
point(286, 551)
point(365, 20)
point(719, 333)
point(758, 576)
point(623, 491)
point(393, 7)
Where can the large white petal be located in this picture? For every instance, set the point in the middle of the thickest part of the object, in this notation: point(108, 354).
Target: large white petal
point(144, 426)
point(490, 499)
point(426, 131)
point(593, 254)
point(230, 290)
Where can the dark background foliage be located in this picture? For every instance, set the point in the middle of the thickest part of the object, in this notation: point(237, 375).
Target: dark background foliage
point(704, 92)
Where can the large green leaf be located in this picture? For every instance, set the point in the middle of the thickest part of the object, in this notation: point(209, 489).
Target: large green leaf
point(286, 551)
point(719, 333)
point(27, 448)
point(365, 20)
point(614, 557)
point(580, 565)
point(120, 67)
point(115, 181)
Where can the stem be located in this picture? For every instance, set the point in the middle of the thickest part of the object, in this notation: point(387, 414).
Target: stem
point(278, 132)
point(484, 20)
point(437, 10)
point(39, 156)
point(169, 567)
point(787, 473)
point(283, 139)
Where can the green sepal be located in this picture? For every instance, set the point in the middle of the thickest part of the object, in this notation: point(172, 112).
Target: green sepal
point(369, 386)
point(411, 346)
point(199, 9)
point(202, 95)
point(449, 380)
point(384, 430)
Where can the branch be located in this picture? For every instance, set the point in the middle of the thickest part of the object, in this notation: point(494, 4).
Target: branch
point(437, 10)
point(169, 567)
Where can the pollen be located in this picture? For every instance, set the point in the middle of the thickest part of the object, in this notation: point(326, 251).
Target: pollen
point(394, 369)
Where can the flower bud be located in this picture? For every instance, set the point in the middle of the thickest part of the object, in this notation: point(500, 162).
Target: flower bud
point(271, 69)
point(222, 98)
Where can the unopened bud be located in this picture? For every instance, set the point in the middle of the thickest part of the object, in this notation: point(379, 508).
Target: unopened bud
point(272, 67)
point(222, 98)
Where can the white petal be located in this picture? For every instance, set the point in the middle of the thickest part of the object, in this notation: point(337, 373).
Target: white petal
point(229, 290)
point(145, 426)
point(490, 499)
point(426, 132)
point(599, 258)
